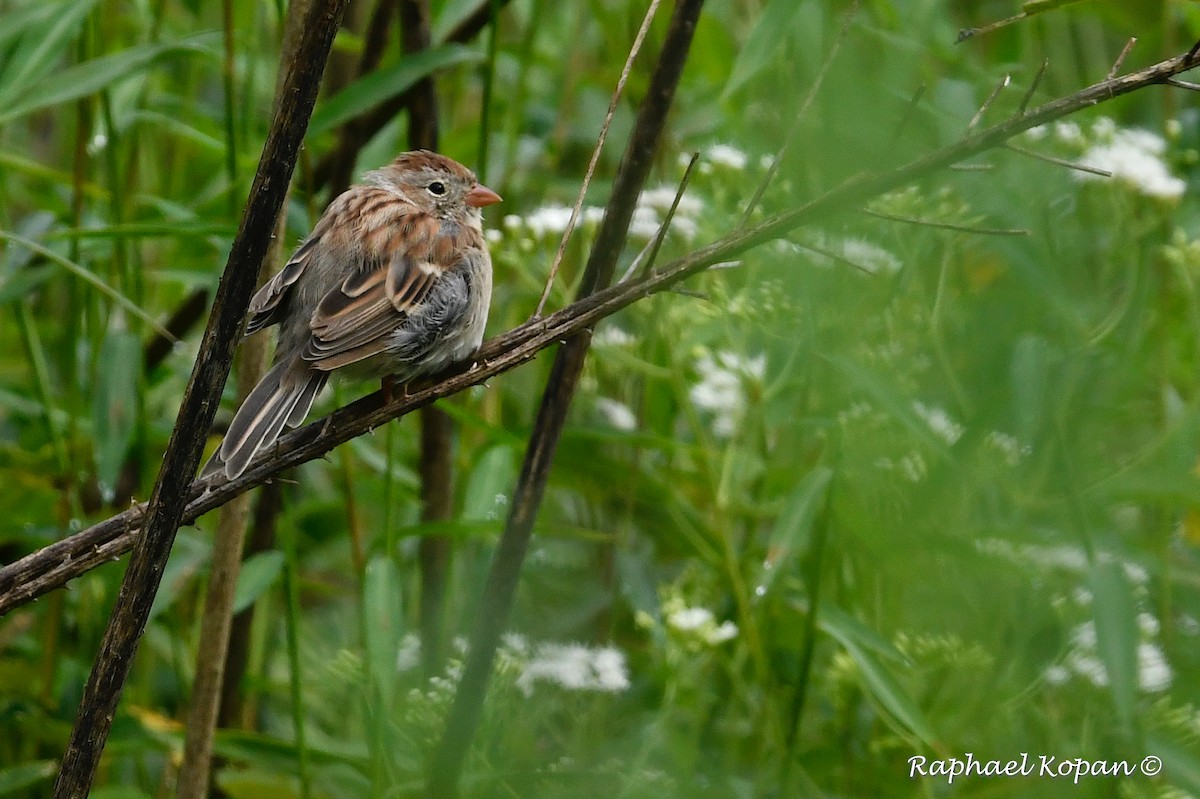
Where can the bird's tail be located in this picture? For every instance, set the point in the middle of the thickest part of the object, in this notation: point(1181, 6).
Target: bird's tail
point(283, 397)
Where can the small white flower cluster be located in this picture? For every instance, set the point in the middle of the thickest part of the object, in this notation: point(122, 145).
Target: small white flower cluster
point(572, 666)
point(721, 389)
point(1083, 660)
point(940, 422)
point(1154, 673)
point(617, 414)
point(550, 221)
point(575, 667)
point(1133, 156)
point(722, 157)
point(699, 624)
point(652, 208)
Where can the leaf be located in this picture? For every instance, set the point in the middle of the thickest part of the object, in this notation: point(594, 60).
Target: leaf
point(863, 644)
point(258, 784)
point(114, 409)
point(793, 528)
point(16, 778)
point(383, 84)
point(382, 623)
point(259, 572)
point(759, 51)
point(92, 76)
point(1179, 764)
point(489, 483)
point(1116, 634)
point(90, 278)
point(454, 13)
point(29, 63)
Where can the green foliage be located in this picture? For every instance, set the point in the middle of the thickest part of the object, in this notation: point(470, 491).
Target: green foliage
point(877, 490)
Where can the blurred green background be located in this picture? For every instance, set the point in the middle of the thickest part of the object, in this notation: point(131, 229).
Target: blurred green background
point(876, 491)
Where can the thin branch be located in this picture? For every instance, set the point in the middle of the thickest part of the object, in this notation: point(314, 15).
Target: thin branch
point(979, 231)
point(1116, 67)
point(132, 610)
point(53, 566)
point(1184, 84)
point(595, 159)
point(1037, 81)
point(645, 259)
point(909, 111)
point(1049, 159)
point(1007, 79)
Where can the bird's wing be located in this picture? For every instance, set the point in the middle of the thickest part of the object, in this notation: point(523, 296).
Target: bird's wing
point(401, 264)
point(268, 303)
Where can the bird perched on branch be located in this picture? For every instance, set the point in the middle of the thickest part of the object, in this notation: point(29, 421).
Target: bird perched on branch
point(395, 280)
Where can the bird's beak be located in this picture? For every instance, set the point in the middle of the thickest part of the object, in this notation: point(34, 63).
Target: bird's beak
point(479, 196)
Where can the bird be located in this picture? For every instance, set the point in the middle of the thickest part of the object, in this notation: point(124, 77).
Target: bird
point(394, 282)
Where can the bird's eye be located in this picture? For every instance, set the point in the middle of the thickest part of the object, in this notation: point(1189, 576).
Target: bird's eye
point(437, 188)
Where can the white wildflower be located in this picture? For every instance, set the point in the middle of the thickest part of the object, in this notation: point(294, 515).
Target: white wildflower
point(727, 156)
point(611, 335)
point(618, 414)
point(1010, 449)
point(1037, 133)
point(914, 467)
point(1154, 673)
point(608, 665)
point(660, 199)
point(1134, 157)
point(493, 235)
point(1104, 128)
point(1068, 133)
point(720, 390)
point(575, 667)
point(940, 422)
point(726, 631)
point(690, 619)
point(644, 224)
point(548, 220)
point(869, 257)
point(408, 657)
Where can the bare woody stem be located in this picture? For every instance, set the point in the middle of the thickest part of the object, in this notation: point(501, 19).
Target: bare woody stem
point(55, 565)
point(167, 501)
point(496, 602)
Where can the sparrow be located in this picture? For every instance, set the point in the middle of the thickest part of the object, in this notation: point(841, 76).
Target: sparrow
point(394, 281)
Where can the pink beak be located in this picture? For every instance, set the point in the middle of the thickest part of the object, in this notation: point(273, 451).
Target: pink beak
point(479, 196)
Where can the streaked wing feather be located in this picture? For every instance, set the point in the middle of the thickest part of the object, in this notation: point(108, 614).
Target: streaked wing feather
point(353, 321)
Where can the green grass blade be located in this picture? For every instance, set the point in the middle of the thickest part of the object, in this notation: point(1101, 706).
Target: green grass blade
point(372, 89)
point(1117, 639)
point(864, 646)
point(88, 277)
point(92, 76)
point(29, 64)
